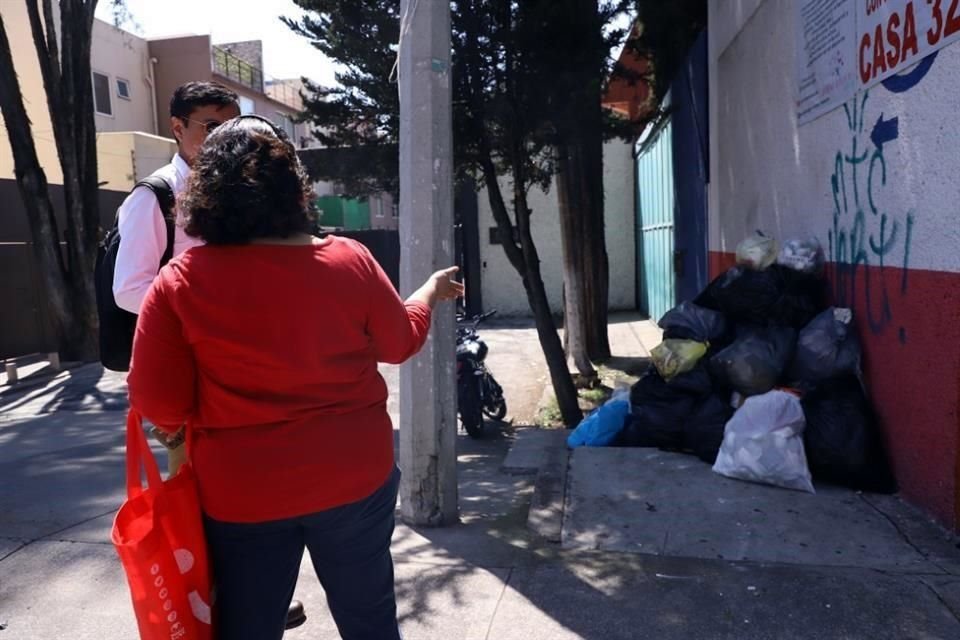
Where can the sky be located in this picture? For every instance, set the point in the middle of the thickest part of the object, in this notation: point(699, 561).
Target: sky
point(285, 54)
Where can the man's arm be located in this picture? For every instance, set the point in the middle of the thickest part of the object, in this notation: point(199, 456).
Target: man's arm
point(143, 239)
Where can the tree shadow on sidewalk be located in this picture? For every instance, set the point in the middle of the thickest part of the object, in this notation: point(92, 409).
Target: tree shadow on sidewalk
point(87, 388)
point(490, 567)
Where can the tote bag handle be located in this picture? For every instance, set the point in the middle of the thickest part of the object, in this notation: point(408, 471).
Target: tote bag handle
point(139, 456)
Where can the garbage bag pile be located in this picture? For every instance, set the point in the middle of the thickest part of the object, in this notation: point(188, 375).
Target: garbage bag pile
point(759, 377)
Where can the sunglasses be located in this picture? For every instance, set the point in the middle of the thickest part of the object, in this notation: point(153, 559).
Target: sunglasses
point(207, 125)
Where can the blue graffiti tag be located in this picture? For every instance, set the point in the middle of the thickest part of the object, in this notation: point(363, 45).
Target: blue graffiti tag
point(863, 235)
point(905, 81)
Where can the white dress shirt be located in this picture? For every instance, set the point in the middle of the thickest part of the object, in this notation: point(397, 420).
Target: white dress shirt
point(143, 237)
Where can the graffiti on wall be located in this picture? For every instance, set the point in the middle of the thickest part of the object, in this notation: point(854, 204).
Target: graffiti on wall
point(867, 237)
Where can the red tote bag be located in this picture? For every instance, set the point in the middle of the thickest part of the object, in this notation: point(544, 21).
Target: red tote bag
point(158, 533)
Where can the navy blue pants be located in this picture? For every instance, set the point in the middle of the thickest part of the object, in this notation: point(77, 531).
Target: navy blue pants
point(255, 567)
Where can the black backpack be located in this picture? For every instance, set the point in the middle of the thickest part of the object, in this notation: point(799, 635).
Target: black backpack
point(117, 325)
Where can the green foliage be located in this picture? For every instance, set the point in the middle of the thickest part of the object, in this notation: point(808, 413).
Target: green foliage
point(364, 111)
point(515, 68)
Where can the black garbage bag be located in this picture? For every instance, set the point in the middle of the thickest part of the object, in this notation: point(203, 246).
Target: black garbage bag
point(696, 382)
point(757, 359)
point(802, 297)
point(842, 439)
point(826, 348)
point(775, 296)
point(657, 413)
point(744, 295)
point(703, 431)
point(688, 321)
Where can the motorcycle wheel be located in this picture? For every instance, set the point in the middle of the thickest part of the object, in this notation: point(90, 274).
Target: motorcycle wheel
point(471, 411)
point(496, 408)
point(494, 405)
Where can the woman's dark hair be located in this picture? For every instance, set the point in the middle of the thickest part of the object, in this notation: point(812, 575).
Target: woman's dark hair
point(191, 96)
point(247, 183)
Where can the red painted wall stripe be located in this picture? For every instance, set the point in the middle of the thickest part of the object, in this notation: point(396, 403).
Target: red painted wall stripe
point(910, 327)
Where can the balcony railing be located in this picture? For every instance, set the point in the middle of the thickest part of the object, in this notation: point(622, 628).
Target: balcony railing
point(285, 92)
point(240, 71)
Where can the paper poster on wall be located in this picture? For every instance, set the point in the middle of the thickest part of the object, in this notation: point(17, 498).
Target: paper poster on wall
point(825, 56)
point(895, 34)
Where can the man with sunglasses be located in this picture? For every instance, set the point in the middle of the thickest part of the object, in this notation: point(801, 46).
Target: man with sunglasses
point(196, 109)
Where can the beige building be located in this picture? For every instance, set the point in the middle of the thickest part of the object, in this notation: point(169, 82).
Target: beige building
point(133, 79)
point(34, 98)
point(236, 65)
point(125, 108)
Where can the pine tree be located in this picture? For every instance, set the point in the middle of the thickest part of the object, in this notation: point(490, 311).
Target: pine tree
point(527, 84)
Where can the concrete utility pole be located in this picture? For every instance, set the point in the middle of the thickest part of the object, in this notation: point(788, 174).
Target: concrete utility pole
point(428, 420)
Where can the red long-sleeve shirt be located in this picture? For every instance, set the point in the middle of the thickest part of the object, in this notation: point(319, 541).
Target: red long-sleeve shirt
point(271, 353)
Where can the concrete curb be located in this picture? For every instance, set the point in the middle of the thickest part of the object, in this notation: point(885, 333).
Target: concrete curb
point(547, 504)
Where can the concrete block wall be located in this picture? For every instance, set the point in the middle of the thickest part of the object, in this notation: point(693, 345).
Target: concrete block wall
point(888, 216)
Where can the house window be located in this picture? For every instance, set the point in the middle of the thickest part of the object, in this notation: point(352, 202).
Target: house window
point(246, 106)
point(396, 211)
point(101, 94)
point(378, 206)
point(287, 124)
point(123, 88)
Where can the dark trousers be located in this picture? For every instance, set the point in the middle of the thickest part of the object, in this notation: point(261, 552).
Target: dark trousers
point(256, 565)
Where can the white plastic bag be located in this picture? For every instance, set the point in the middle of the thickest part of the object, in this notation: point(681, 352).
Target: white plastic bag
point(763, 442)
point(805, 256)
point(757, 252)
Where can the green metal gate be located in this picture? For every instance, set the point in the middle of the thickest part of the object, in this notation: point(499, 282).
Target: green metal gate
point(655, 227)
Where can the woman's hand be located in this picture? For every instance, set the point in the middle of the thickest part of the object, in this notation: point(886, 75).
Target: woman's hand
point(445, 286)
point(439, 287)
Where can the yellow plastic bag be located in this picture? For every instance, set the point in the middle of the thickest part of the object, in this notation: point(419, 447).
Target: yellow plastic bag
point(757, 252)
point(673, 357)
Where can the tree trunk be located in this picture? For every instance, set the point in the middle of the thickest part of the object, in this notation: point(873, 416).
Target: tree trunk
point(596, 262)
point(586, 266)
point(66, 76)
point(579, 152)
point(572, 233)
point(32, 185)
point(527, 263)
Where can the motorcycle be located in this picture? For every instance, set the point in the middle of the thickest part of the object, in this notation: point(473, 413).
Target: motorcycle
point(478, 393)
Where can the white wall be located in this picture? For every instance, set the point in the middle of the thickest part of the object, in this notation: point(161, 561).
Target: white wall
point(502, 287)
point(772, 174)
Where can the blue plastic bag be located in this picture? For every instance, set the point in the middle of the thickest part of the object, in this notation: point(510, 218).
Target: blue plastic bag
point(600, 428)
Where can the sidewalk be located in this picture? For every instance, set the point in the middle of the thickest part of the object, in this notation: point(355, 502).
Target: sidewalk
point(61, 469)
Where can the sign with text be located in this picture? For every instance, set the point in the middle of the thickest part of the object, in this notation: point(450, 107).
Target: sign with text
point(826, 56)
point(895, 34)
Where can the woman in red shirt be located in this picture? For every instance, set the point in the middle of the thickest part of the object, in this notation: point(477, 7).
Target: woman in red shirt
point(265, 342)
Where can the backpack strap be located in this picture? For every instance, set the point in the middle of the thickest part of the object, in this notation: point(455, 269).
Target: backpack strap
point(165, 198)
